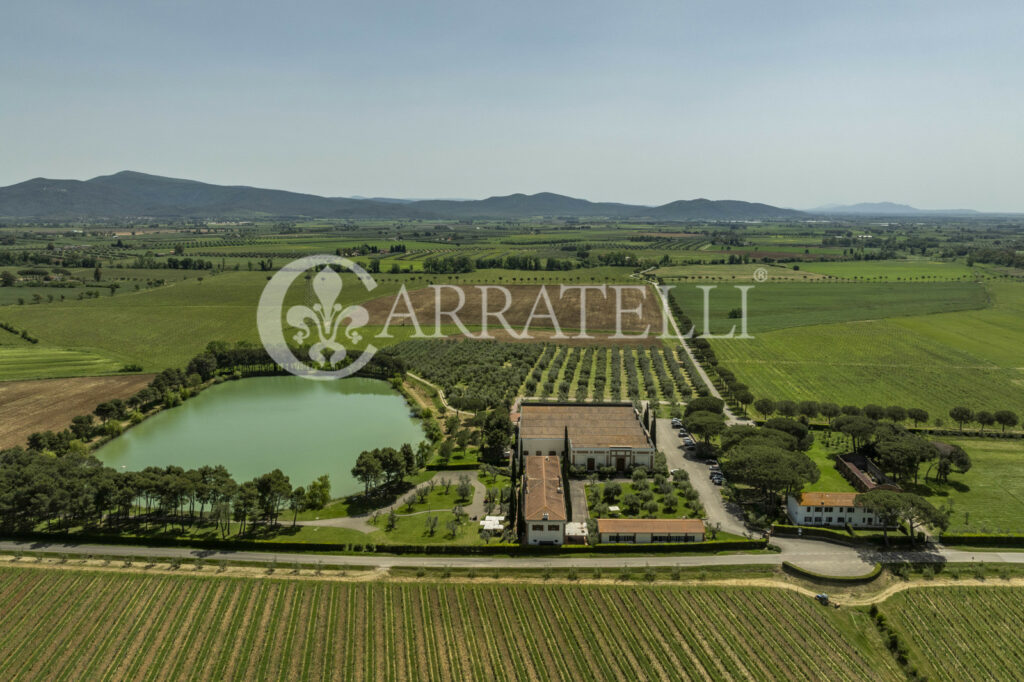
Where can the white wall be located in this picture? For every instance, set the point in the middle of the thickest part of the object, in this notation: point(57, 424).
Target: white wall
point(830, 517)
point(537, 537)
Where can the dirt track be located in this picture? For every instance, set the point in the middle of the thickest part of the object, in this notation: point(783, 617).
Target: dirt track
point(49, 404)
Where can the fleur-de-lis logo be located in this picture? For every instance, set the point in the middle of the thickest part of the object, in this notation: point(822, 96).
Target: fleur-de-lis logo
point(319, 323)
point(326, 317)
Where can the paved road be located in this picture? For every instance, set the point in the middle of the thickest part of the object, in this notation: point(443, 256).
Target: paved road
point(814, 554)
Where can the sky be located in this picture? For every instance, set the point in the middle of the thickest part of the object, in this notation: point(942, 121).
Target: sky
point(796, 104)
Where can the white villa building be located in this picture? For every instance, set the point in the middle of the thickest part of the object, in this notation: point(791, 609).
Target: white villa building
point(830, 510)
point(600, 435)
point(544, 511)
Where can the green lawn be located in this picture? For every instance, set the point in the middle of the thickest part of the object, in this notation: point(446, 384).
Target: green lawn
point(831, 481)
point(990, 497)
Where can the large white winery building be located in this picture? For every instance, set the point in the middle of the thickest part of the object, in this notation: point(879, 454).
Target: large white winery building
point(599, 434)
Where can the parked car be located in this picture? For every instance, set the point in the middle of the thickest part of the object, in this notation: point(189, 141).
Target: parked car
point(676, 423)
point(718, 480)
point(683, 433)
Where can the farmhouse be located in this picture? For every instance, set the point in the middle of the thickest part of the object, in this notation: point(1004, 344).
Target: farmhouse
point(830, 509)
point(544, 514)
point(642, 531)
point(599, 435)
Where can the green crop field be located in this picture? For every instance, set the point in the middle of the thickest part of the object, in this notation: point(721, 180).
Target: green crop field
point(79, 624)
point(960, 633)
point(783, 305)
point(935, 362)
point(905, 270)
point(31, 362)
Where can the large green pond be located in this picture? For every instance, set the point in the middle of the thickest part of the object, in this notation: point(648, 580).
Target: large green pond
point(304, 428)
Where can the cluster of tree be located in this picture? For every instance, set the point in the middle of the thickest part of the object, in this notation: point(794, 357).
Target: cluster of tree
point(447, 265)
point(77, 490)
point(898, 452)
point(704, 417)
point(69, 259)
point(188, 263)
point(770, 459)
point(1009, 257)
point(894, 508)
point(384, 467)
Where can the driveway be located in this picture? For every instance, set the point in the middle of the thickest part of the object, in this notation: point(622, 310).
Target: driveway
point(710, 494)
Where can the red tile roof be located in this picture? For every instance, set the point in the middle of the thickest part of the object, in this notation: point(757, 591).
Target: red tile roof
point(544, 494)
point(827, 499)
point(659, 526)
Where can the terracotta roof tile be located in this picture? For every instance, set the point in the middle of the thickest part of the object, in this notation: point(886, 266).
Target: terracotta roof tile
point(667, 526)
point(827, 499)
point(544, 493)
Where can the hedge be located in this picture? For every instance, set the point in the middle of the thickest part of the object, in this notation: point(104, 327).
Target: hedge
point(461, 466)
point(896, 538)
point(836, 579)
point(357, 548)
point(983, 540)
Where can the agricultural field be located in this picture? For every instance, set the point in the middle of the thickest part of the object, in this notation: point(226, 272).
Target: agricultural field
point(936, 361)
point(30, 406)
point(960, 633)
point(40, 362)
point(908, 270)
point(97, 625)
point(783, 305)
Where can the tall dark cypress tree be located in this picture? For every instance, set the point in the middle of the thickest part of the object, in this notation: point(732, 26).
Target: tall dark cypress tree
point(565, 475)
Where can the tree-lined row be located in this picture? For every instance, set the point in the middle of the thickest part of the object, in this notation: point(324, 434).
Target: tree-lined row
point(897, 414)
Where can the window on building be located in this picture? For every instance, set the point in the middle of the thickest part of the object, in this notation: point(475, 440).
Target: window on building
point(808, 519)
point(840, 519)
point(553, 526)
point(537, 526)
point(828, 509)
point(828, 519)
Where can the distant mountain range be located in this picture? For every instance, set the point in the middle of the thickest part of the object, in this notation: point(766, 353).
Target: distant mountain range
point(889, 209)
point(132, 195)
point(129, 194)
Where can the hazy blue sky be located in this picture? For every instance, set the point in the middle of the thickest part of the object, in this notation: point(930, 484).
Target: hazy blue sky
point(791, 103)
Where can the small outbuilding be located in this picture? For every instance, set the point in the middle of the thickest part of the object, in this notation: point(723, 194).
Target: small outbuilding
point(643, 531)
